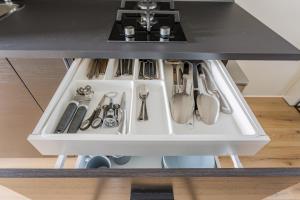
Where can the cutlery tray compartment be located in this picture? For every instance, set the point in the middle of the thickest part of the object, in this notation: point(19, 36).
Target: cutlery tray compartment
point(236, 133)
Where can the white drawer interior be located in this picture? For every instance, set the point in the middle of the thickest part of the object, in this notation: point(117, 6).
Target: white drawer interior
point(236, 133)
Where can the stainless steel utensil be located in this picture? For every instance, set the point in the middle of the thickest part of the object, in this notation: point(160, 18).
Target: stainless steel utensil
point(148, 69)
point(123, 121)
point(208, 104)
point(143, 95)
point(75, 111)
point(141, 72)
point(212, 86)
point(97, 68)
point(91, 70)
point(110, 119)
point(182, 104)
point(180, 77)
point(187, 82)
point(131, 63)
point(95, 118)
point(125, 67)
point(182, 108)
point(175, 64)
point(8, 7)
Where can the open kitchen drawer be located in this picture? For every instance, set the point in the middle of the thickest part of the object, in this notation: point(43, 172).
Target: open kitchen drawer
point(236, 133)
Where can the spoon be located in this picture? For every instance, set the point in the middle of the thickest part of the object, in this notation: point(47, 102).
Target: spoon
point(182, 103)
point(182, 107)
point(208, 104)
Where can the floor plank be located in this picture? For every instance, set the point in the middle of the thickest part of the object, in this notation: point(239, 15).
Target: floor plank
point(282, 123)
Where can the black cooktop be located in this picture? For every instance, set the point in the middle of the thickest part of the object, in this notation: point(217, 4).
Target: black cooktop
point(141, 34)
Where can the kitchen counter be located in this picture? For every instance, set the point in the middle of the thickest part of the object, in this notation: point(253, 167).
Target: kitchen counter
point(80, 28)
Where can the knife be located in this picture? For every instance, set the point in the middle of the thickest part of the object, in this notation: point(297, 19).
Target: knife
point(123, 120)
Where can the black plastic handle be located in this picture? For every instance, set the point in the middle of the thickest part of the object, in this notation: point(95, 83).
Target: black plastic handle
point(66, 117)
point(151, 192)
point(77, 119)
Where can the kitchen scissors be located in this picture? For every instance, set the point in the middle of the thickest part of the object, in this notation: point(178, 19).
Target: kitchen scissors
point(95, 119)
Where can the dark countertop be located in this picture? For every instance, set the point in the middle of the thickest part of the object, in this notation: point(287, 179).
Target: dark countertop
point(80, 28)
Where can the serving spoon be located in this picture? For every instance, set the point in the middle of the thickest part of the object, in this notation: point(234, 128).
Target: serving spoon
point(182, 104)
point(208, 104)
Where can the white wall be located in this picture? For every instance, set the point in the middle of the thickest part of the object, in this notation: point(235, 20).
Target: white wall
point(292, 96)
point(273, 78)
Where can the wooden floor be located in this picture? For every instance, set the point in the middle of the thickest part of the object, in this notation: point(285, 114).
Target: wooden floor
point(282, 123)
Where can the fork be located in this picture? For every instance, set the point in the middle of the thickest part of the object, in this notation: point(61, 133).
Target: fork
point(143, 95)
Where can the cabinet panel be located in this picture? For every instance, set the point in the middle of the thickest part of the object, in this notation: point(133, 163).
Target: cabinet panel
point(223, 188)
point(41, 76)
point(19, 114)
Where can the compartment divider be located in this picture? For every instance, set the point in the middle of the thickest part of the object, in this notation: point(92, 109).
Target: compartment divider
point(160, 132)
point(166, 99)
point(130, 116)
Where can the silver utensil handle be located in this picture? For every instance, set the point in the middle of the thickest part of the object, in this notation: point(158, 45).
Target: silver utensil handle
point(98, 119)
point(141, 115)
point(225, 106)
point(123, 122)
point(145, 111)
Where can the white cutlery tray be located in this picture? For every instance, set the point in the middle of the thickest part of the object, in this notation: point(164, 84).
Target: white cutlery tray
point(236, 133)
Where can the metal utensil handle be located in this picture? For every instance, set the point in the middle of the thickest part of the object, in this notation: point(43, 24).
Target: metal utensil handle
point(98, 119)
point(118, 72)
point(184, 85)
point(77, 119)
point(174, 74)
point(87, 123)
point(123, 122)
point(66, 117)
point(131, 61)
point(141, 72)
point(225, 105)
point(141, 115)
point(145, 111)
